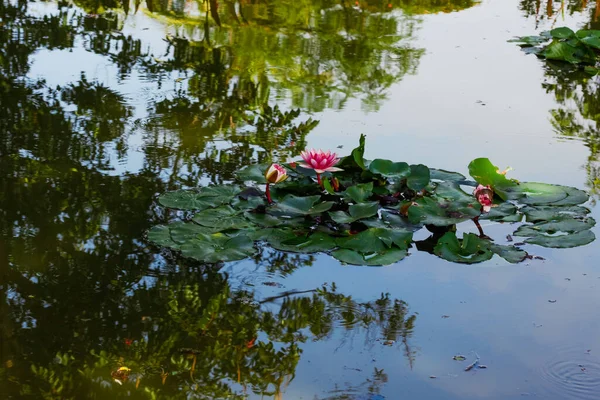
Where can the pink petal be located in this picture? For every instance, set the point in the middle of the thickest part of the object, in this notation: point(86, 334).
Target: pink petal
point(333, 169)
point(314, 163)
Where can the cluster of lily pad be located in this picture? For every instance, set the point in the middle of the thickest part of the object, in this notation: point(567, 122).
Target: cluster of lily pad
point(365, 212)
point(580, 48)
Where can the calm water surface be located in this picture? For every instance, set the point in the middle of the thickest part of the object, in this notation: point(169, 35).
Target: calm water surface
point(105, 104)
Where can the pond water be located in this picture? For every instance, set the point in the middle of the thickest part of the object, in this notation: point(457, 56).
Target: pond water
point(106, 104)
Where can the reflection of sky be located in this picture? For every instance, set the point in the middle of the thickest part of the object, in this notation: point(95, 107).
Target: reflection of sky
point(438, 118)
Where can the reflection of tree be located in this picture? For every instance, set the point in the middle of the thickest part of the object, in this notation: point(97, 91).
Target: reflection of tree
point(551, 10)
point(578, 115)
point(184, 334)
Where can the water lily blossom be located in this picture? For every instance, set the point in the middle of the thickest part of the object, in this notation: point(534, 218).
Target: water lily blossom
point(275, 174)
point(319, 160)
point(484, 195)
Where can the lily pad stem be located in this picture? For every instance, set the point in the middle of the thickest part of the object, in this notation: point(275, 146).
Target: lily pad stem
point(319, 180)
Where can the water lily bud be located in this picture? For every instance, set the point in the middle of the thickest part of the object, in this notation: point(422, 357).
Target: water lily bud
point(275, 174)
point(485, 196)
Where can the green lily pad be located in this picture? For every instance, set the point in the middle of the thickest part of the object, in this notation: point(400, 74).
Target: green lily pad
point(264, 220)
point(355, 212)
point(389, 169)
point(359, 193)
point(390, 220)
point(565, 225)
point(511, 254)
point(549, 213)
point(562, 33)
point(296, 206)
point(218, 248)
point(181, 232)
point(563, 241)
point(470, 250)
point(250, 204)
point(419, 177)
point(221, 218)
point(160, 235)
point(447, 176)
point(533, 193)
point(505, 212)
point(449, 206)
point(255, 173)
point(383, 257)
point(486, 173)
point(375, 240)
point(314, 243)
point(211, 196)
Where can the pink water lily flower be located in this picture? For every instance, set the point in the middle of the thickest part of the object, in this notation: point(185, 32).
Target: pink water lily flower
point(484, 195)
point(321, 161)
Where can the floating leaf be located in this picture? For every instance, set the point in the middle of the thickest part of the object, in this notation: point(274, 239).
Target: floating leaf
point(255, 173)
point(359, 193)
point(375, 240)
point(564, 241)
point(221, 218)
point(383, 257)
point(534, 193)
point(548, 213)
point(316, 242)
point(181, 232)
point(470, 250)
point(511, 254)
point(505, 212)
point(419, 177)
point(562, 33)
point(565, 225)
point(486, 173)
point(389, 169)
point(264, 220)
point(355, 212)
point(211, 196)
point(160, 235)
point(218, 247)
point(295, 206)
point(449, 206)
point(448, 176)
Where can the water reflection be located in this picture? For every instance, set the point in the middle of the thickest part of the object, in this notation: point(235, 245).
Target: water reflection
point(82, 293)
point(176, 335)
point(552, 10)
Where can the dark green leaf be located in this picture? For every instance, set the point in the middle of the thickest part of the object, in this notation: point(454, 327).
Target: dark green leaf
point(533, 193)
point(486, 173)
point(355, 212)
point(359, 193)
point(295, 206)
point(470, 250)
point(384, 257)
point(160, 235)
point(389, 169)
point(211, 196)
point(562, 33)
point(561, 51)
point(509, 253)
point(316, 242)
point(505, 212)
point(448, 176)
point(564, 225)
point(221, 218)
point(419, 177)
point(548, 213)
point(564, 241)
point(255, 173)
point(218, 247)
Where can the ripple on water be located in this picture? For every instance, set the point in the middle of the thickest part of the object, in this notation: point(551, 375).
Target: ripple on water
point(572, 373)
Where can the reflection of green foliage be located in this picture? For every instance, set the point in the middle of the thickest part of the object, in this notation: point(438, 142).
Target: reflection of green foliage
point(552, 9)
point(199, 337)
